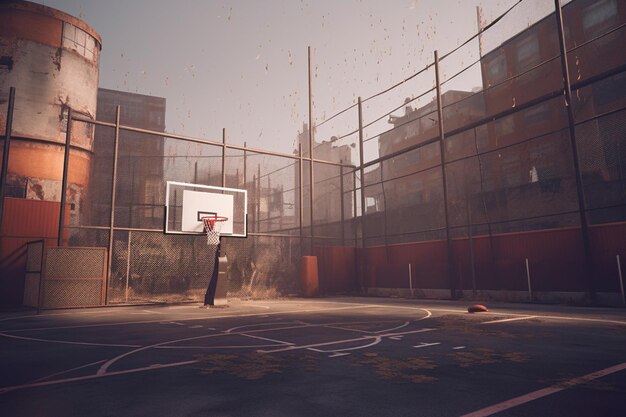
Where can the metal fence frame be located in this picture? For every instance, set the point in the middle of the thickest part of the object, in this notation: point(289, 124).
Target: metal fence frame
point(357, 172)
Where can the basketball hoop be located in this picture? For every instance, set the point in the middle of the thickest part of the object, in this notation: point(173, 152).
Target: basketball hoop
point(212, 227)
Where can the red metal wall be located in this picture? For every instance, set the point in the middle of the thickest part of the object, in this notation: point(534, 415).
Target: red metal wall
point(555, 259)
point(608, 241)
point(336, 269)
point(23, 221)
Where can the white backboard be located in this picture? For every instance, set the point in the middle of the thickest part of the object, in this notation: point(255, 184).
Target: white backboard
point(187, 203)
point(197, 204)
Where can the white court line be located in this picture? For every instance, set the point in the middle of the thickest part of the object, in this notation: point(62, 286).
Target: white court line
point(345, 329)
point(495, 313)
point(66, 342)
point(87, 377)
point(256, 325)
point(280, 342)
point(406, 323)
point(339, 342)
point(153, 312)
point(426, 345)
point(103, 369)
point(349, 306)
point(507, 320)
point(315, 345)
point(124, 323)
point(535, 395)
point(376, 341)
point(69, 370)
point(40, 316)
point(348, 329)
point(217, 347)
point(337, 354)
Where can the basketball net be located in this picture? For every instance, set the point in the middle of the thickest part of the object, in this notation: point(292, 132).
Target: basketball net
point(213, 227)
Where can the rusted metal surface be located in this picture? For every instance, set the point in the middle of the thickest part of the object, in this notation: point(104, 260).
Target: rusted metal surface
point(51, 59)
point(34, 11)
point(337, 269)
point(33, 162)
point(30, 218)
point(55, 61)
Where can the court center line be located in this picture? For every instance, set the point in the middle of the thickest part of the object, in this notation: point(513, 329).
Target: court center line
point(523, 399)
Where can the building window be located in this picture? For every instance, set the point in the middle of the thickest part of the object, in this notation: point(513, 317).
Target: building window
point(496, 70)
point(599, 17)
point(527, 53)
point(78, 40)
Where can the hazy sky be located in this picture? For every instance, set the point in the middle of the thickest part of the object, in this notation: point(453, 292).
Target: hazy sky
point(242, 65)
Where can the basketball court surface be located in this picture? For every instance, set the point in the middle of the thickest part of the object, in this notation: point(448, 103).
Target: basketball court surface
point(315, 357)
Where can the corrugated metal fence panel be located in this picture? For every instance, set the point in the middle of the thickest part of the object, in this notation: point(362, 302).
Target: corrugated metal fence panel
point(23, 220)
point(30, 218)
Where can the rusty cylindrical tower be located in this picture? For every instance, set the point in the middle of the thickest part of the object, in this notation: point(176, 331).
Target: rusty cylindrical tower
point(52, 61)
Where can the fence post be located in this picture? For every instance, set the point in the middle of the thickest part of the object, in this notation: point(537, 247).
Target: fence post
point(584, 225)
point(116, 144)
point(470, 236)
point(66, 162)
point(128, 248)
point(530, 291)
point(258, 200)
point(362, 162)
point(621, 279)
point(355, 230)
point(301, 197)
point(311, 137)
point(442, 151)
point(341, 191)
point(245, 163)
point(41, 276)
point(361, 222)
point(7, 147)
point(224, 157)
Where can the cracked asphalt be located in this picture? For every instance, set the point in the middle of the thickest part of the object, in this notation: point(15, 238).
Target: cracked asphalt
point(345, 356)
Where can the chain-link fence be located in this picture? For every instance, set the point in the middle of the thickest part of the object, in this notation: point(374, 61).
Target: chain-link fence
point(527, 200)
point(499, 171)
point(122, 209)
